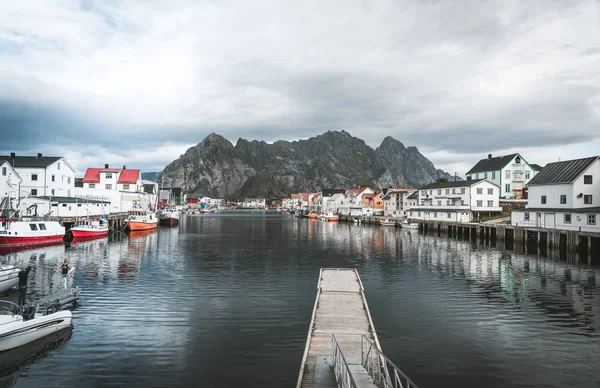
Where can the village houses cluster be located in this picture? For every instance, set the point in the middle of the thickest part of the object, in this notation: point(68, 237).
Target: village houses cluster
point(561, 195)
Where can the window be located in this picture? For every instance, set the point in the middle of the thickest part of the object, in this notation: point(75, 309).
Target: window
point(59, 165)
point(33, 227)
point(480, 190)
point(434, 214)
point(567, 218)
point(69, 180)
point(108, 186)
point(587, 179)
point(64, 205)
point(485, 175)
point(518, 176)
point(34, 177)
point(378, 203)
point(527, 175)
point(462, 190)
point(439, 203)
point(68, 193)
point(126, 187)
point(42, 226)
point(543, 200)
point(507, 174)
point(92, 185)
point(33, 191)
point(439, 192)
point(507, 188)
point(591, 219)
point(563, 199)
point(491, 191)
point(526, 216)
point(447, 191)
point(479, 203)
point(490, 203)
point(52, 191)
point(3, 171)
point(453, 191)
point(449, 215)
point(587, 199)
point(493, 174)
point(419, 214)
point(108, 176)
point(53, 178)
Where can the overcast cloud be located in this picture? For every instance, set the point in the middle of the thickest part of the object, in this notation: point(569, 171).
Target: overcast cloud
point(137, 83)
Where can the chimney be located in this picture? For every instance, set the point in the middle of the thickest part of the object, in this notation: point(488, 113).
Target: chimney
point(489, 156)
point(13, 155)
point(106, 165)
point(124, 167)
point(39, 155)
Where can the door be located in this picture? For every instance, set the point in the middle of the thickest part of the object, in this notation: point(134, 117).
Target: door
point(550, 222)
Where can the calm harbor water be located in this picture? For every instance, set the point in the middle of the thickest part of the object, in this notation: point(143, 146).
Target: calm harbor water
point(226, 299)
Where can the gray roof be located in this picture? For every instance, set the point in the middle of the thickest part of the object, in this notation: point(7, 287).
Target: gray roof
point(443, 185)
point(414, 195)
point(536, 167)
point(492, 164)
point(562, 172)
point(31, 161)
point(331, 192)
point(194, 196)
point(69, 199)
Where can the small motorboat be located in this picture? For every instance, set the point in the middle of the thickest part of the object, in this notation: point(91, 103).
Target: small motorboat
point(313, 216)
point(89, 229)
point(409, 225)
point(9, 277)
point(330, 217)
point(388, 222)
point(22, 325)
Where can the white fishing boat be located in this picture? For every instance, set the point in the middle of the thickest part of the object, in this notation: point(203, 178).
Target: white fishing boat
point(169, 216)
point(9, 277)
point(20, 326)
point(387, 222)
point(409, 225)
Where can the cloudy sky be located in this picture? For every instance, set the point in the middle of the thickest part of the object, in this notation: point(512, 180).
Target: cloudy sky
point(137, 83)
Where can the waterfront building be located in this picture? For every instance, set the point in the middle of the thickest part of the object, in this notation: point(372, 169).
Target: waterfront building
point(564, 195)
point(193, 200)
point(397, 203)
point(254, 203)
point(337, 204)
point(459, 201)
point(510, 172)
point(64, 207)
point(116, 179)
point(42, 175)
point(10, 181)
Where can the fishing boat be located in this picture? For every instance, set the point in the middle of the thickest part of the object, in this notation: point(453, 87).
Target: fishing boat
point(169, 216)
point(88, 228)
point(17, 231)
point(9, 277)
point(22, 325)
point(141, 219)
point(313, 216)
point(330, 217)
point(409, 225)
point(387, 222)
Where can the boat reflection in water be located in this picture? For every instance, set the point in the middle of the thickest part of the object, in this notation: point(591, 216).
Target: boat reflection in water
point(7, 251)
point(134, 234)
point(13, 361)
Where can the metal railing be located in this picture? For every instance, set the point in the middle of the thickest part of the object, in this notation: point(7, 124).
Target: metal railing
point(343, 376)
point(381, 369)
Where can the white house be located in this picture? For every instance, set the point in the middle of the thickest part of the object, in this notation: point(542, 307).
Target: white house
point(116, 179)
point(213, 202)
point(396, 202)
point(510, 172)
point(10, 181)
point(355, 196)
point(63, 207)
point(337, 203)
point(42, 175)
point(460, 201)
point(564, 195)
point(254, 203)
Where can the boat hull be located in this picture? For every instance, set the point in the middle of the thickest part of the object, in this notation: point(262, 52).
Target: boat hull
point(138, 225)
point(18, 332)
point(15, 241)
point(169, 221)
point(88, 233)
point(333, 219)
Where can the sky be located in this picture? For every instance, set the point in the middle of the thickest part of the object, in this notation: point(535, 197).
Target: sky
point(137, 83)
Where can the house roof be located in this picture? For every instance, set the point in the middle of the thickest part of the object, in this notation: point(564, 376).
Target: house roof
point(443, 185)
point(491, 164)
point(371, 195)
point(31, 161)
point(69, 199)
point(330, 192)
point(128, 176)
point(414, 195)
point(562, 172)
point(92, 175)
point(536, 167)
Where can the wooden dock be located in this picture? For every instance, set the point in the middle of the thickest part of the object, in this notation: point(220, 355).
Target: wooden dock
point(340, 309)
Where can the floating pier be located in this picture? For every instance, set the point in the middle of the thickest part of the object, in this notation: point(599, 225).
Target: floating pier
point(342, 348)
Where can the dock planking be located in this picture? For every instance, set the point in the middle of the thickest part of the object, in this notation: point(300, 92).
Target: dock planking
point(340, 309)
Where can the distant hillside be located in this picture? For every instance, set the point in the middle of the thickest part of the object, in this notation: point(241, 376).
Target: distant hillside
point(150, 176)
point(217, 168)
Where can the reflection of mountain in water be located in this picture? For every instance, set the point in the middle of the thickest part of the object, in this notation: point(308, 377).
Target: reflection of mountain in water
point(13, 361)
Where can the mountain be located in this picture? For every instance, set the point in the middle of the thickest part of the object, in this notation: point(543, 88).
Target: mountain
point(150, 176)
point(217, 168)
